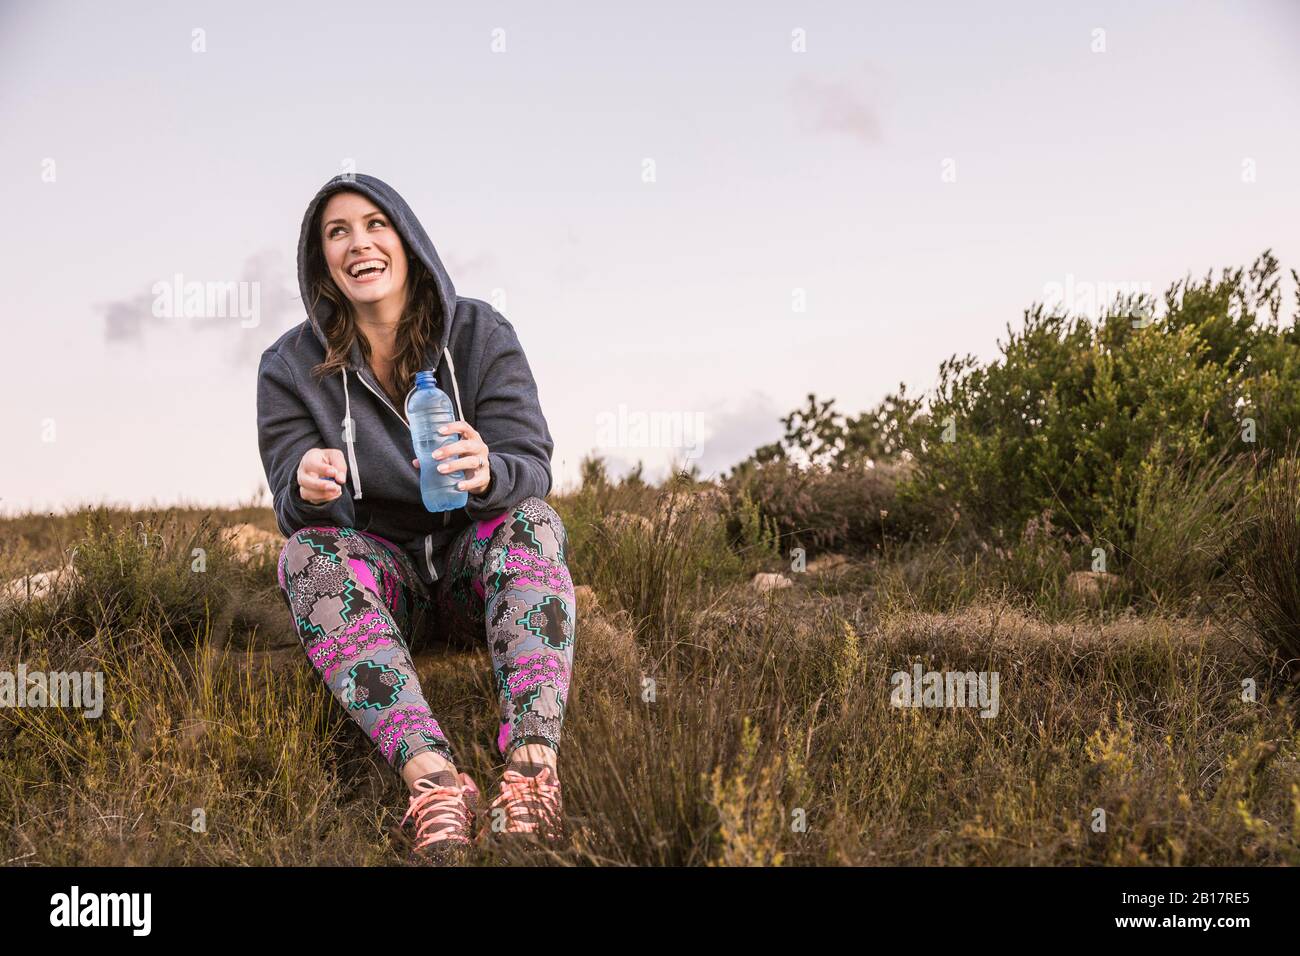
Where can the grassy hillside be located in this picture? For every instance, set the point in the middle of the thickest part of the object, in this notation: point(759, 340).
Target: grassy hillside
point(709, 723)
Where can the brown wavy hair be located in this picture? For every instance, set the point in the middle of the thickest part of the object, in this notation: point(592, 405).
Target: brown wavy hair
point(419, 326)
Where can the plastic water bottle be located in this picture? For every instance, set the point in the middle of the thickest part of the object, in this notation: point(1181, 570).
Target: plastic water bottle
point(427, 409)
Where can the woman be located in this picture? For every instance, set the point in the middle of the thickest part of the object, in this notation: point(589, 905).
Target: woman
point(365, 574)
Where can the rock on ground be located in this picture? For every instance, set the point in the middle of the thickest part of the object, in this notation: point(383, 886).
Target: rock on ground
point(704, 501)
point(1090, 586)
point(30, 587)
point(827, 562)
point(770, 582)
point(249, 541)
point(623, 520)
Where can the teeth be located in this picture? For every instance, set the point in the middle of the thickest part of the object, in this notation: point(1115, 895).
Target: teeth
point(367, 266)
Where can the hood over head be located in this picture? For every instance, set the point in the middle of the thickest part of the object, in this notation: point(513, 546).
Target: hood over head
point(408, 227)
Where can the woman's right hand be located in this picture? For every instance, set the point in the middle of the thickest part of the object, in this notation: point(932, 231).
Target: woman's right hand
point(321, 474)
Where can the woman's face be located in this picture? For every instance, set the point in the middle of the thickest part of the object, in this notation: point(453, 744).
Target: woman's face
point(363, 251)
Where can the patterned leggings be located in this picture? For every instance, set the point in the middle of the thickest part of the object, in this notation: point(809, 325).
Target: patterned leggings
point(356, 597)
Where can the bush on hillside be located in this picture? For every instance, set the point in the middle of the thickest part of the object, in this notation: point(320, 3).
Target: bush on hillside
point(855, 509)
point(1071, 413)
point(1268, 569)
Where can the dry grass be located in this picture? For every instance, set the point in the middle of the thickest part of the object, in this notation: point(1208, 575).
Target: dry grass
point(708, 724)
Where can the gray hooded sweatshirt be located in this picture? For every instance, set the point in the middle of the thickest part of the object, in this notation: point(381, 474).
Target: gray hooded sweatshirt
point(479, 363)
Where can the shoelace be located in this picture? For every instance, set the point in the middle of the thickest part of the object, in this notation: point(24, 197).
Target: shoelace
point(440, 814)
point(521, 795)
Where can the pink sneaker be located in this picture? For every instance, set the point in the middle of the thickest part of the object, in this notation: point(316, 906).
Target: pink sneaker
point(529, 804)
point(444, 817)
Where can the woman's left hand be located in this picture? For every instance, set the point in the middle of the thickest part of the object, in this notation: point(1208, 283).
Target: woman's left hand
point(469, 455)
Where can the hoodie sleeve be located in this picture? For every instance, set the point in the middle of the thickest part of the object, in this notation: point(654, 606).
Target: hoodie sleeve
point(508, 416)
point(286, 432)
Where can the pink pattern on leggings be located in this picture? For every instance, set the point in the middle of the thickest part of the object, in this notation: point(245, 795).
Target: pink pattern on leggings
point(370, 630)
point(390, 593)
point(533, 669)
point(483, 529)
point(364, 576)
point(390, 731)
point(526, 568)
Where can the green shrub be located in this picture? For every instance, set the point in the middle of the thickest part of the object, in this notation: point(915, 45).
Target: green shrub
point(1184, 518)
point(659, 552)
point(1268, 568)
point(146, 574)
point(751, 533)
point(1067, 415)
point(854, 508)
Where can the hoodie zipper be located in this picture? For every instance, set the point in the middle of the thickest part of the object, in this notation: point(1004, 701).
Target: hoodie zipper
point(403, 420)
point(446, 515)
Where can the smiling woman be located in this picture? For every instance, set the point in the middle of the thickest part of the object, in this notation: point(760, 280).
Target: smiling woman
point(367, 265)
point(365, 578)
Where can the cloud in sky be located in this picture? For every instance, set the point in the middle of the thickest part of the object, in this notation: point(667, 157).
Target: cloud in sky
point(735, 432)
point(253, 310)
point(837, 106)
point(261, 304)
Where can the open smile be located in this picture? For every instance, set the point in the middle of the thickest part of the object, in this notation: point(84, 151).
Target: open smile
point(367, 270)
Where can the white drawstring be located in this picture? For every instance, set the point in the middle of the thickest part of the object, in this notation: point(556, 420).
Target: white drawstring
point(348, 437)
point(451, 367)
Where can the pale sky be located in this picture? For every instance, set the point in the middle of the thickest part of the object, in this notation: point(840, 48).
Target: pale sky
point(844, 194)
